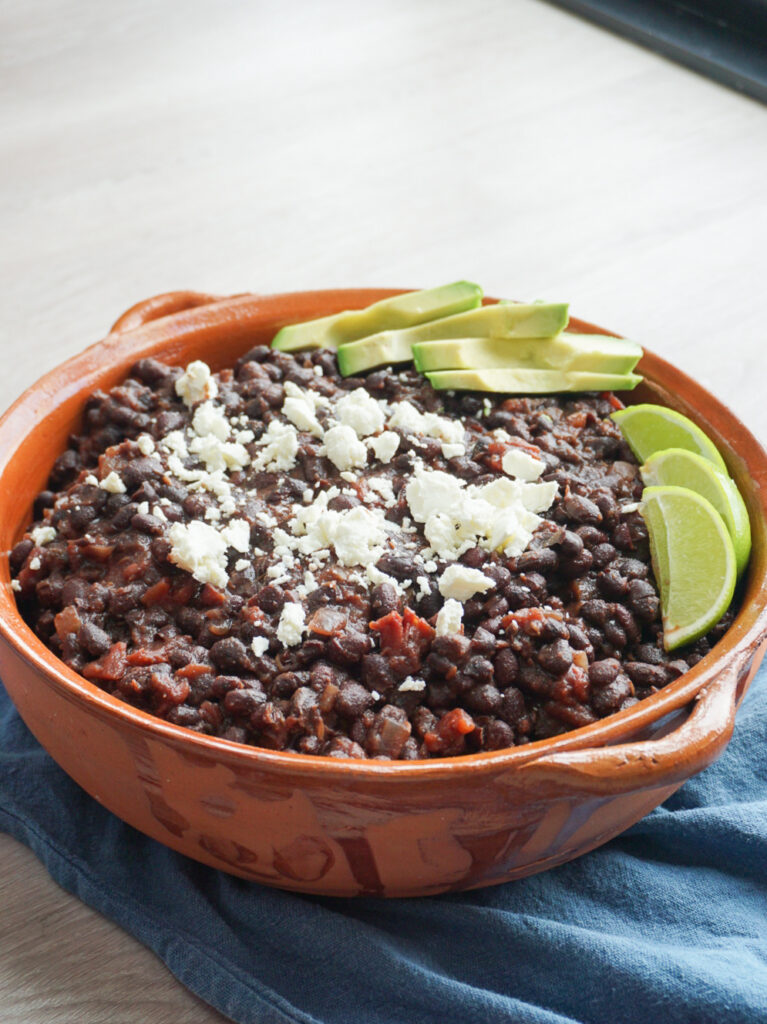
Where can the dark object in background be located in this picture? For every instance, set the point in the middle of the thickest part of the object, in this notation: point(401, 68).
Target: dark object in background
point(724, 39)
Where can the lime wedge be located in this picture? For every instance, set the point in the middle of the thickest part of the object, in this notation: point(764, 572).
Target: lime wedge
point(653, 428)
point(681, 468)
point(693, 560)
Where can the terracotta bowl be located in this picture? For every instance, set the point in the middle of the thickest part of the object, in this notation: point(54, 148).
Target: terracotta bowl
point(348, 828)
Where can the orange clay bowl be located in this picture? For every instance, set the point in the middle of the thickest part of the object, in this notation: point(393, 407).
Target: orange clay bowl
point(349, 827)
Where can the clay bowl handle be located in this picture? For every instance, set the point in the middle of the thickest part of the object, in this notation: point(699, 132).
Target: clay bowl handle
point(650, 764)
point(159, 306)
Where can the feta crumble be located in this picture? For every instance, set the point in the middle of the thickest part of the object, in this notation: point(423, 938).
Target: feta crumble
point(196, 384)
point(462, 583)
point(42, 535)
point(292, 624)
point(385, 445)
point(113, 484)
point(344, 448)
point(449, 617)
point(260, 646)
point(360, 412)
point(412, 684)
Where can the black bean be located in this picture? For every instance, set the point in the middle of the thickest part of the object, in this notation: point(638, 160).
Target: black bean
point(612, 584)
point(575, 566)
point(484, 699)
point(603, 554)
point(512, 705)
point(542, 560)
point(643, 600)
point(398, 564)
point(571, 544)
point(377, 673)
point(591, 536)
point(383, 600)
point(231, 654)
point(556, 657)
point(271, 598)
point(94, 639)
point(596, 611)
point(581, 509)
point(645, 675)
point(602, 673)
point(352, 700)
point(348, 648)
point(506, 668)
point(498, 735)
point(341, 502)
point(608, 699)
point(146, 523)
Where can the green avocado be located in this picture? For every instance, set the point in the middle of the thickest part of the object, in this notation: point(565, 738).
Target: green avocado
point(508, 320)
point(527, 381)
point(566, 352)
point(401, 311)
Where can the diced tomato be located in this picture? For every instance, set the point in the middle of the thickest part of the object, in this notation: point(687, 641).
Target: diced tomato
point(109, 666)
point(614, 401)
point(156, 594)
point(193, 671)
point(391, 631)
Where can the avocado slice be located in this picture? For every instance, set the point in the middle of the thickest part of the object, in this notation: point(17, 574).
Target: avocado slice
point(527, 381)
point(401, 311)
point(508, 320)
point(566, 352)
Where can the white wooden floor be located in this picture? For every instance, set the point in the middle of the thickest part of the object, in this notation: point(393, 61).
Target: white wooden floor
point(274, 146)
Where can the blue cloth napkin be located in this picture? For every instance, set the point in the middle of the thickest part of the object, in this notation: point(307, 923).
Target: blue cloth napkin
point(668, 923)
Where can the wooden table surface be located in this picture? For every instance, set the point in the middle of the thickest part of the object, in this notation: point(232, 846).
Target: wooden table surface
point(277, 146)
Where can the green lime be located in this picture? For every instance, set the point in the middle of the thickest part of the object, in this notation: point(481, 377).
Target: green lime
point(693, 560)
point(653, 428)
point(681, 468)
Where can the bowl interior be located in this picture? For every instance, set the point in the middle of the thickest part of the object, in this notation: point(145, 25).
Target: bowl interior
point(36, 428)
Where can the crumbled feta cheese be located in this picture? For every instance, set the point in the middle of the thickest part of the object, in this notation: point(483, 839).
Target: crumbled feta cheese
point(462, 583)
point(292, 624)
point(219, 455)
point(241, 564)
point(42, 535)
point(382, 486)
point(145, 444)
point(360, 412)
point(385, 445)
point(344, 448)
point(260, 646)
point(412, 684)
point(407, 417)
point(449, 617)
point(307, 496)
point(632, 506)
point(201, 550)
point(237, 534)
point(113, 484)
point(318, 371)
point(35, 563)
point(520, 464)
point(158, 513)
point(349, 477)
point(91, 480)
point(451, 451)
point(299, 406)
point(495, 516)
point(15, 586)
point(278, 446)
point(424, 586)
point(196, 384)
point(210, 419)
point(143, 508)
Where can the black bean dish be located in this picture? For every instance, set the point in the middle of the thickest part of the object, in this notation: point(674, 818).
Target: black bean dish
point(360, 567)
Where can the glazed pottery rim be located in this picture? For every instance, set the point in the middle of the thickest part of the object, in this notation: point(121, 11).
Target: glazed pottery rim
point(738, 643)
